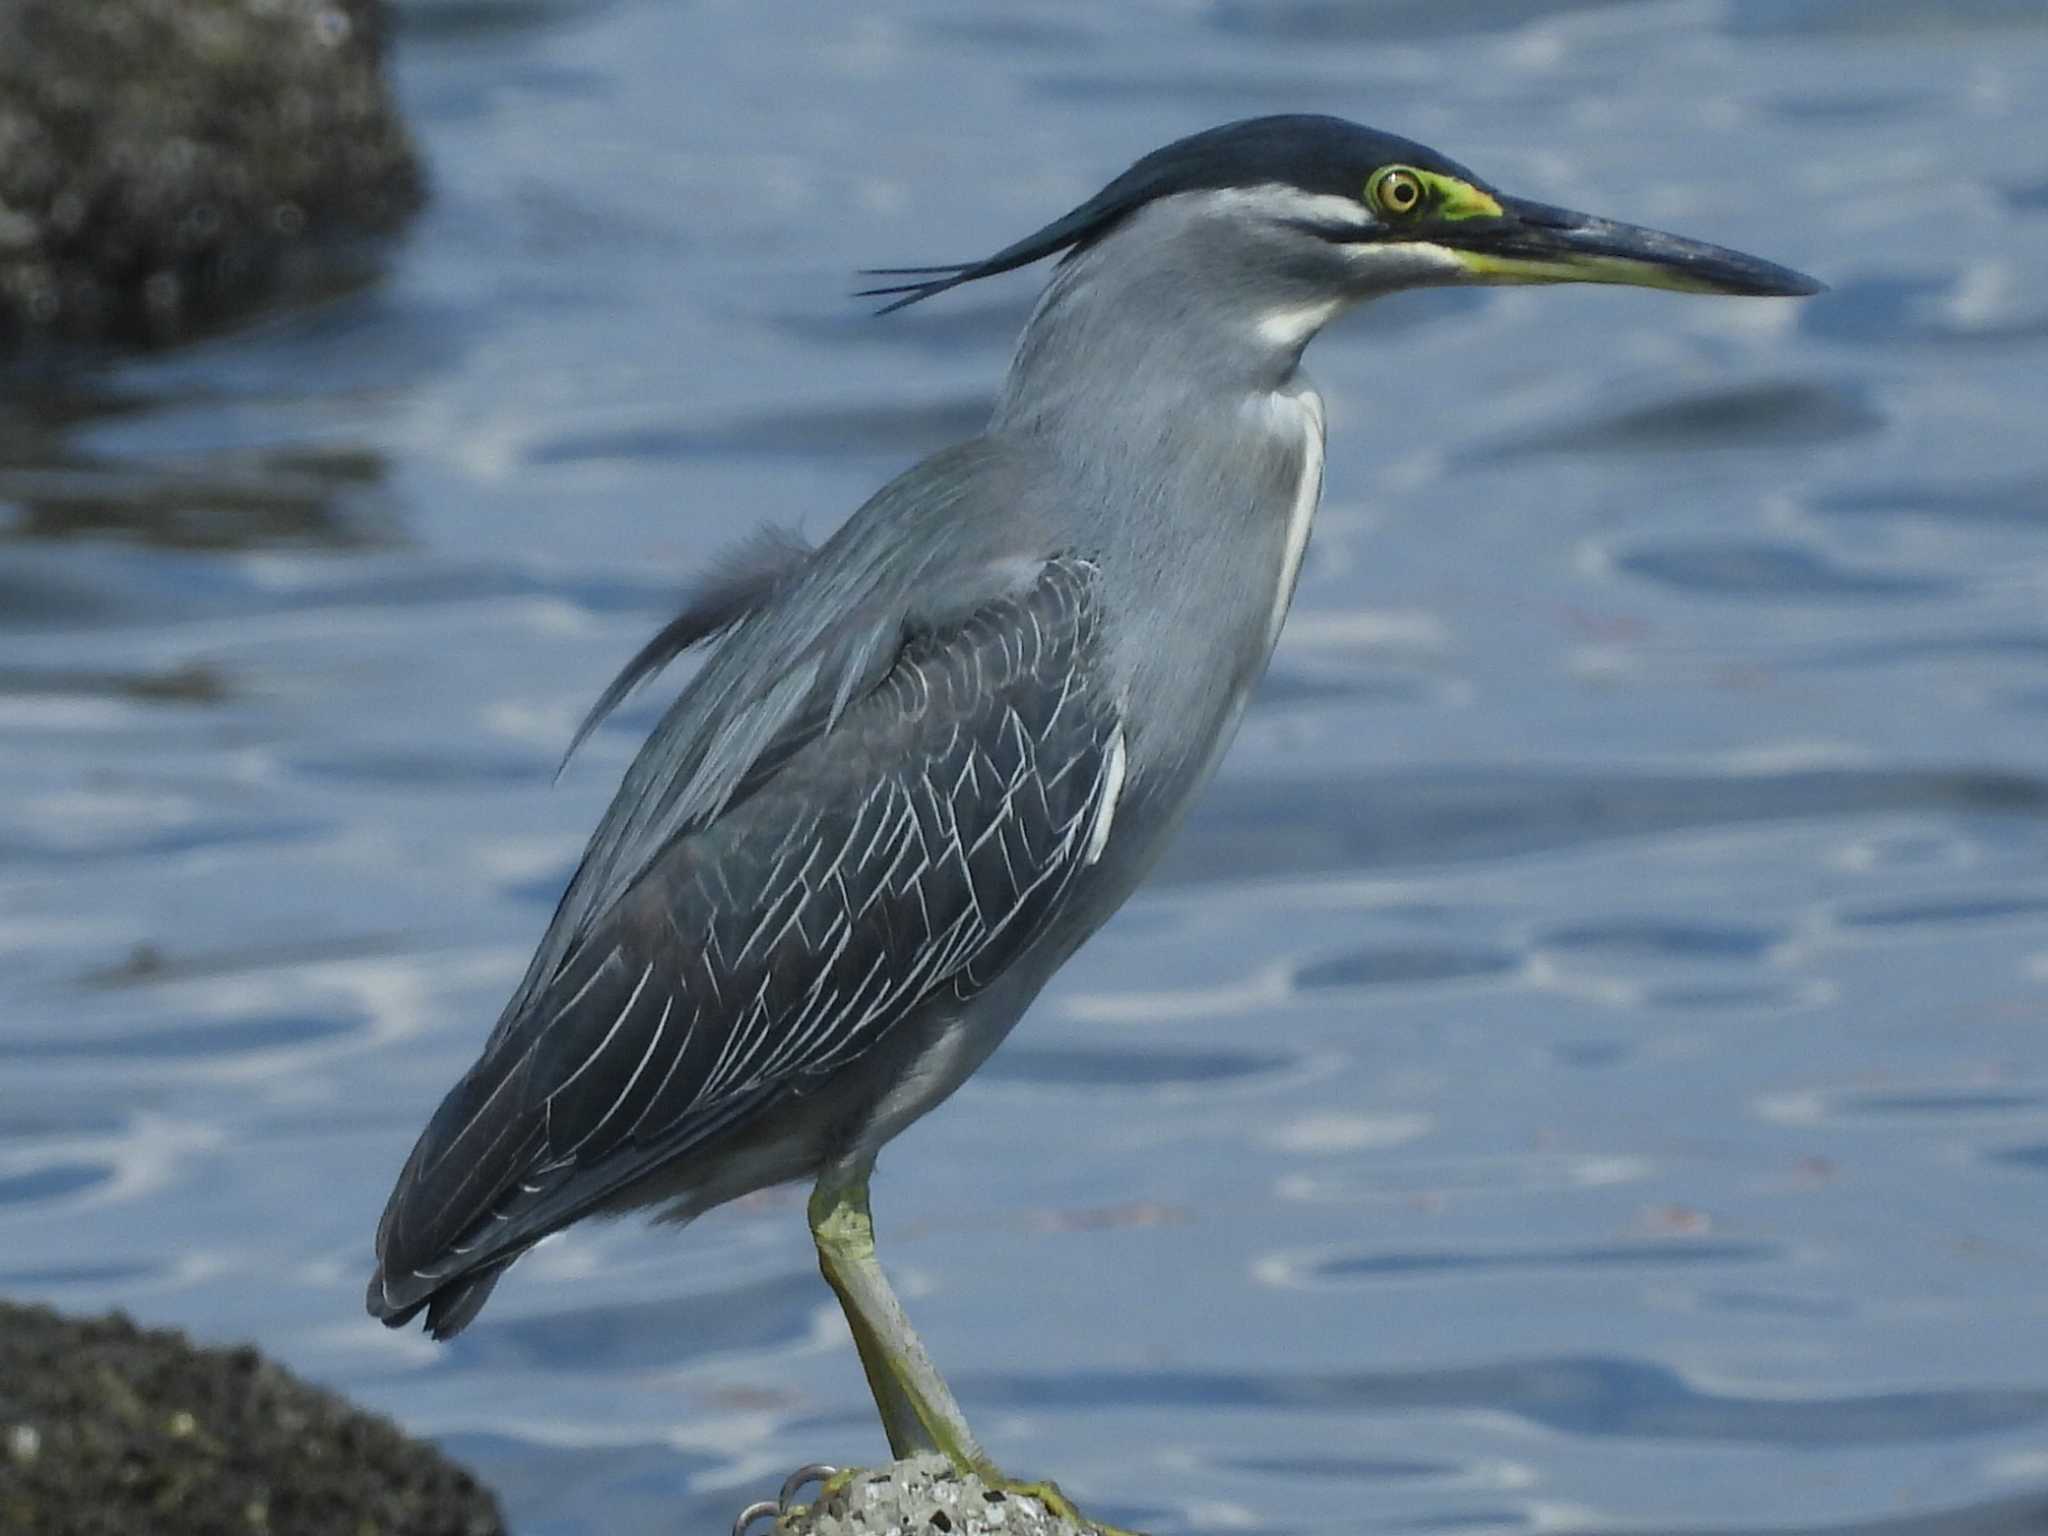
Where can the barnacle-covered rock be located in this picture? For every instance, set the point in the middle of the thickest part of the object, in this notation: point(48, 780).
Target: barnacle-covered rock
point(165, 164)
point(921, 1496)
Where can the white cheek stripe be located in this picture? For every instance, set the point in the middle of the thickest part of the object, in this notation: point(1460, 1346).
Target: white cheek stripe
point(1277, 200)
point(1397, 263)
point(1294, 327)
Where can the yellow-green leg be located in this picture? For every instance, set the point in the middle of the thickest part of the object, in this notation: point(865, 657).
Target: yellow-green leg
point(917, 1408)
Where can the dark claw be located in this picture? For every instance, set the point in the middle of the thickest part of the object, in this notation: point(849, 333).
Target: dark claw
point(754, 1512)
point(816, 1472)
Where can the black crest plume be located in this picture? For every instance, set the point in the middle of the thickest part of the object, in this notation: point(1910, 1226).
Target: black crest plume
point(1311, 153)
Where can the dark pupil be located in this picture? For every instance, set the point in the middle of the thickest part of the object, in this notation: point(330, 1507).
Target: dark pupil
point(1402, 192)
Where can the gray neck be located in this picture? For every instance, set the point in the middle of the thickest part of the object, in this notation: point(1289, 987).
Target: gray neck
point(1158, 389)
point(1168, 313)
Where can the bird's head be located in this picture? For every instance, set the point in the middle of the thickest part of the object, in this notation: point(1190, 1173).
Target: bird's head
point(1289, 220)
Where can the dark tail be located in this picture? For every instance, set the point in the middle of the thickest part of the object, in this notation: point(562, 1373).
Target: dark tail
point(449, 1310)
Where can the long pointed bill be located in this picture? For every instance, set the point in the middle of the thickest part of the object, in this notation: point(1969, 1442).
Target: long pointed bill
point(1535, 243)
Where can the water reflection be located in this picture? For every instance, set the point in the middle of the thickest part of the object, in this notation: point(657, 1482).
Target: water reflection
point(1404, 965)
point(1887, 309)
point(1993, 503)
point(76, 524)
point(1585, 1395)
point(1339, 1269)
point(773, 1312)
point(53, 1182)
point(1364, 821)
point(867, 432)
point(2000, 1517)
point(1899, 19)
point(1152, 1067)
point(289, 498)
point(1763, 415)
point(1773, 571)
point(209, 1037)
point(1371, 21)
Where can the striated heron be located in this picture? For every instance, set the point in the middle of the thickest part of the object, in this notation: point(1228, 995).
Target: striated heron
point(920, 764)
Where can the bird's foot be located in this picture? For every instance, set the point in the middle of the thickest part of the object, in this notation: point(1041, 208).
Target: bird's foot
point(1048, 1493)
point(904, 1484)
point(783, 1507)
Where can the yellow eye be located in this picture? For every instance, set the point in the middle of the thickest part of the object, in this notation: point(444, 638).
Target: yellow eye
point(1396, 192)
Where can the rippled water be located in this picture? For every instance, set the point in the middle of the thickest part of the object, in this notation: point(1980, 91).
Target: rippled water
point(1583, 1065)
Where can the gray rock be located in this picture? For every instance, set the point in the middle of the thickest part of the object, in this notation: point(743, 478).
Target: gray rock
point(923, 1496)
point(167, 164)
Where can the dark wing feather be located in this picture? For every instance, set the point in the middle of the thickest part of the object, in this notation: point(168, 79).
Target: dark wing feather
point(908, 854)
point(784, 672)
point(748, 578)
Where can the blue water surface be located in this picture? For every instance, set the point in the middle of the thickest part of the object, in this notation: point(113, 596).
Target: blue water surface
point(1583, 1065)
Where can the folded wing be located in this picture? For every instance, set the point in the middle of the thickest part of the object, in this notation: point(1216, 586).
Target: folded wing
point(901, 857)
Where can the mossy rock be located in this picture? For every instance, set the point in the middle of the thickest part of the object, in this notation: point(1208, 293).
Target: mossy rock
point(107, 1429)
point(168, 164)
